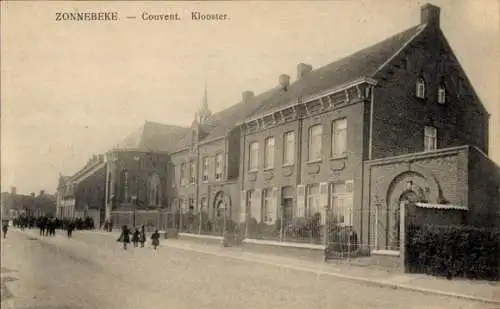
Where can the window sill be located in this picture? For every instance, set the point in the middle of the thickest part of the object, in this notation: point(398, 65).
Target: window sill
point(268, 169)
point(341, 157)
point(253, 171)
point(314, 161)
point(288, 165)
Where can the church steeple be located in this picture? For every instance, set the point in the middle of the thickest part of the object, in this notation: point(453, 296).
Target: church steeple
point(204, 112)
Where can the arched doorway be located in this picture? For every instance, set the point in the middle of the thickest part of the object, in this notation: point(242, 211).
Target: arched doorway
point(220, 205)
point(402, 192)
point(407, 199)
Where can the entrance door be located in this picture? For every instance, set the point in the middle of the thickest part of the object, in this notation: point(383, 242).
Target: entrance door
point(287, 210)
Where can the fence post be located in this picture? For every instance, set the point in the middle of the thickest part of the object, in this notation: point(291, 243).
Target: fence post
point(200, 221)
point(181, 215)
point(282, 225)
point(402, 235)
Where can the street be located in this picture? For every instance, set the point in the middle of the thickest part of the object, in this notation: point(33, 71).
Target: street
point(92, 271)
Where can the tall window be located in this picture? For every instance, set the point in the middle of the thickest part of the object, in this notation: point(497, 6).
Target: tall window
point(204, 204)
point(253, 163)
point(191, 204)
point(289, 148)
point(269, 153)
point(218, 167)
point(339, 138)
point(441, 94)
point(183, 173)
point(342, 203)
point(315, 134)
point(420, 88)
point(183, 205)
point(430, 138)
point(313, 200)
point(266, 205)
point(205, 169)
point(254, 199)
point(154, 190)
point(193, 171)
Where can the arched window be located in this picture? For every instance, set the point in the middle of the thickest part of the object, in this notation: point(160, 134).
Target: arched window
point(441, 93)
point(154, 190)
point(420, 88)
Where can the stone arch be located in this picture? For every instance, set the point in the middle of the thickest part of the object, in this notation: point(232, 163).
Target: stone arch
point(422, 183)
point(221, 198)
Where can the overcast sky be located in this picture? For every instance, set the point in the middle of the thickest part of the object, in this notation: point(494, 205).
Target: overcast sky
point(71, 89)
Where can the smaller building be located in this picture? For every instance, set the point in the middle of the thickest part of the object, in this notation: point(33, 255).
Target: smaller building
point(14, 204)
point(131, 175)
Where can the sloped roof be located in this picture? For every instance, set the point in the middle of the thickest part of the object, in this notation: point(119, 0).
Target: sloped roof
point(364, 63)
point(153, 136)
point(217, 124)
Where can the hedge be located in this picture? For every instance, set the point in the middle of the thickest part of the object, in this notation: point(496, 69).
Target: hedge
point(454, 251)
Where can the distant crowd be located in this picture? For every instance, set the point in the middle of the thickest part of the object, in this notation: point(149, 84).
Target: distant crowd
point(48, 225)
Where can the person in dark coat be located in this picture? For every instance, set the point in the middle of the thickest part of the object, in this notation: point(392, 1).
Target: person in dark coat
point(124, 237)
point(142, 236)
point(135, 237)
point(5, 228)
point(155, 241)
point(70, 227)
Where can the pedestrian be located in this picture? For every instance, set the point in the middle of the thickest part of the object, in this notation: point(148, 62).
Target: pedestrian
point(135, 237)
point(5, 228)
point(124, 237)
point(70, 228)
point(142, 236)
point(155, 241)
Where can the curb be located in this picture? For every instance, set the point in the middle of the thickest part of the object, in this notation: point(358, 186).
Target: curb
point(373, 282)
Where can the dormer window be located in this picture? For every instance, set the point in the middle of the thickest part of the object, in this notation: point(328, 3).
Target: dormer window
point(420, 88)
point(404, 64)
point(441, 94)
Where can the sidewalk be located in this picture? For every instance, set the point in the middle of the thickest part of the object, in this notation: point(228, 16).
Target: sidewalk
point(487, 292)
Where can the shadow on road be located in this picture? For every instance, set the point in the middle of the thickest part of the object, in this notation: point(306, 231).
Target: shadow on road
point(4, 290)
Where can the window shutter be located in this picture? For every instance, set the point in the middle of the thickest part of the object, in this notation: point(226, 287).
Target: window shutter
point(273, 205)
point(323, 191)
point(257, 205)
point(277, 198)
point(301, 207)
point(243, 206)
point(349, 186)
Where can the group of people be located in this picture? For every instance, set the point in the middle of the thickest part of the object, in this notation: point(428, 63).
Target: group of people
point(48, 224)
point(138, 236)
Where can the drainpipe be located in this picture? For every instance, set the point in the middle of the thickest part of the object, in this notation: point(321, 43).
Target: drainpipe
point(299, 145)
point(370, 140)
point(372, 90)
point(196, 182)
point(242, 174)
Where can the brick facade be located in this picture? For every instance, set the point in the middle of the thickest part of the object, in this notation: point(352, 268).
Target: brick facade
point(385, 96)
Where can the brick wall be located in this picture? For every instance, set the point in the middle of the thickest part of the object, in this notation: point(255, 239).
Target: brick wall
point(443, 171)
point(400, 117)
point(484, 192)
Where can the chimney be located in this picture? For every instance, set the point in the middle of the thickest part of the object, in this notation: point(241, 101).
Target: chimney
point(303, 69)
point(13, 190)
point(284, 81)
point(247, 95)
point(429, 14)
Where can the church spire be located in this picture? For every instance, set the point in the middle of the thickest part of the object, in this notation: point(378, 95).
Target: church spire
point(204, 110)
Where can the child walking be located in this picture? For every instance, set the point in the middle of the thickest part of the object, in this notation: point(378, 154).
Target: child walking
point(142, 236)
point(155, 241)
